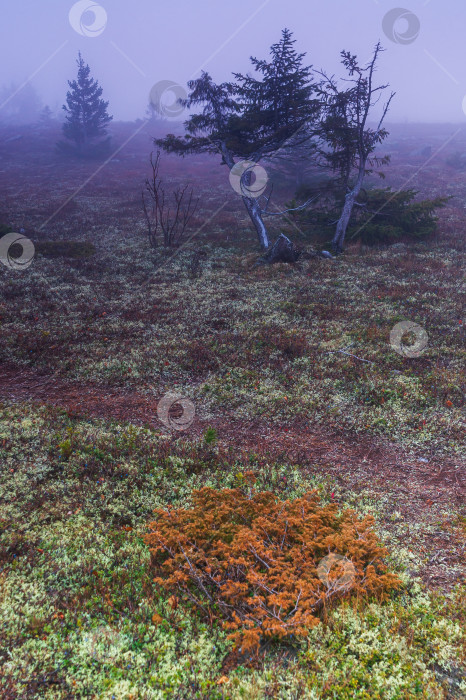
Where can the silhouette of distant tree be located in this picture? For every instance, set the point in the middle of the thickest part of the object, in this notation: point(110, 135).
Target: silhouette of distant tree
point(86, 113)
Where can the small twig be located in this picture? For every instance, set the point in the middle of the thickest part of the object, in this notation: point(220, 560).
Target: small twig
point(370, 362)
point(285, 211)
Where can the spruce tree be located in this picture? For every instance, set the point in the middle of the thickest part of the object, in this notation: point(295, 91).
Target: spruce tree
point(86, 112)
point(253, 117)
point(350, 140)
point(277, 106)
point(46, 116)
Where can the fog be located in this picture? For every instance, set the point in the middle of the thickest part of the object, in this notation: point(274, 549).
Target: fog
point(130, 46)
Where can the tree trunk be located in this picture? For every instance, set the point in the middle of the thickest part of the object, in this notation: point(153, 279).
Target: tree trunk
point(343, 221)
point(251, 204)
point(255, 213)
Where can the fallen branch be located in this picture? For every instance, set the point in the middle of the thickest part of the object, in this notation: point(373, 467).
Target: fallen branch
point(370, 362)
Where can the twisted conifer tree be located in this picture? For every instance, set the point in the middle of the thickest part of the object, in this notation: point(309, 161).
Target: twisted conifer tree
point(251, 118)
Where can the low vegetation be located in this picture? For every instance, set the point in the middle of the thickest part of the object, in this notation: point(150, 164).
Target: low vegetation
point(82, 617)
point(382, 216)
point(308, 424)
point(266, 566)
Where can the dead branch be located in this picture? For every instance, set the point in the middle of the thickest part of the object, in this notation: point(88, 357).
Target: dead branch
point(170, 216)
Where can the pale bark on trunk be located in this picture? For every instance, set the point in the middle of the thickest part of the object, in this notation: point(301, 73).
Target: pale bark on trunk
point(343, 221)
point(252, 206)
point(255, 214)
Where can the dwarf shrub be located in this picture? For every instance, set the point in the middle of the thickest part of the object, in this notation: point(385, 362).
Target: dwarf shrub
point(383, 216)
point(266, 568)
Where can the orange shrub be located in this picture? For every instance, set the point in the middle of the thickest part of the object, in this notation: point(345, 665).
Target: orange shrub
point(266, 567)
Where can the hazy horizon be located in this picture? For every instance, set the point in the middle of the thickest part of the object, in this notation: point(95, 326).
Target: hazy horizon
point(132, 47)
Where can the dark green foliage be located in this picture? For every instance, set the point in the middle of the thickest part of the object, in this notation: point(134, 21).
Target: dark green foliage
point(250, 116)
point(86, 115)
point(278, 104)
point(389, 216)
point(210, 436)
point(386, 216)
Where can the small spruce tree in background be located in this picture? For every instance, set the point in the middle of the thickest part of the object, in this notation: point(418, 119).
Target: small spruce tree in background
point(46, 116)
point(20, 105)
point(86, 115)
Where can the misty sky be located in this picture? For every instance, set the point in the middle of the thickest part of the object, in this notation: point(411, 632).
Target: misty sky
point(137, 43)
